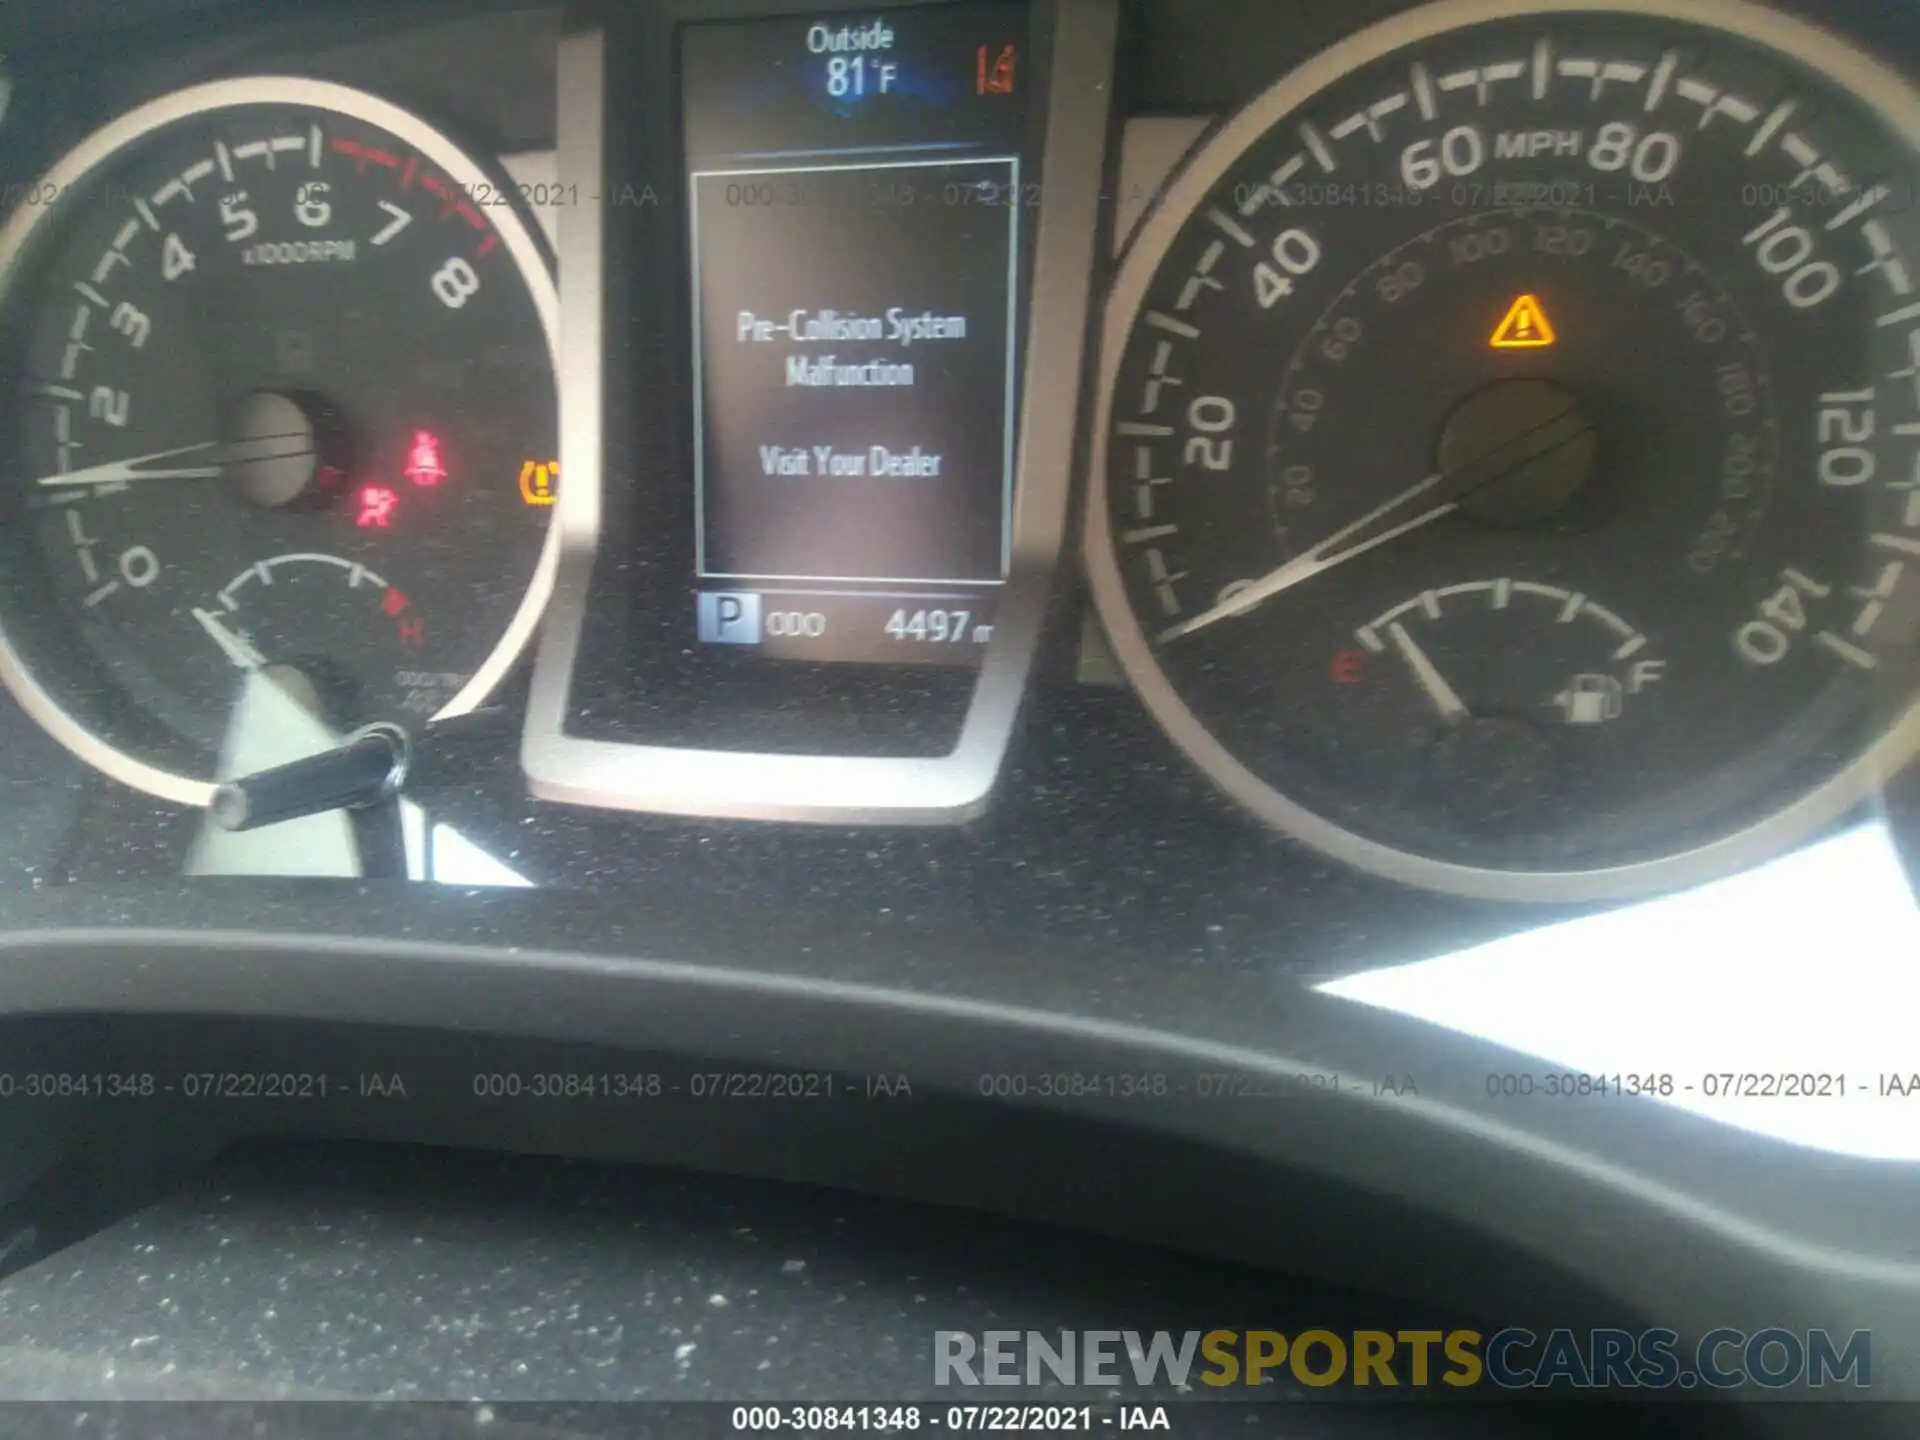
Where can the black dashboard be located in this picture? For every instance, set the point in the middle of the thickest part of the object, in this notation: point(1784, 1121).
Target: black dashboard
point(1275, 630)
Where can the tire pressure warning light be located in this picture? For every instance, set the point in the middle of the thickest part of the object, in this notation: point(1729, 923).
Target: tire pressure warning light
point(539, 480)
point(1524, 327)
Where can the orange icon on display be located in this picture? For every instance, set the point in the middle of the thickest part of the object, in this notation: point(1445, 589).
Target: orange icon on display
point(539, 480)
point(1524, 327)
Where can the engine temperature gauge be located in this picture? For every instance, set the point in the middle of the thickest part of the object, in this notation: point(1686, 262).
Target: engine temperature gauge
point(284, 357)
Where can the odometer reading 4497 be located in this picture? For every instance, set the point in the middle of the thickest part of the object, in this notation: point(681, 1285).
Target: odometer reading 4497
point(1508, 457)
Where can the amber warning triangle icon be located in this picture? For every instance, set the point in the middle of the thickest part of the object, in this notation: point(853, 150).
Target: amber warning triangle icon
point(1524, 327)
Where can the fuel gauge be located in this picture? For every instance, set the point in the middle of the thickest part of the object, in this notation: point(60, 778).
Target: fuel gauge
point(1516, 675)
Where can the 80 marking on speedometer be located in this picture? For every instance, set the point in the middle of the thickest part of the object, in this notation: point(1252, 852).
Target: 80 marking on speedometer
point(1508, 450)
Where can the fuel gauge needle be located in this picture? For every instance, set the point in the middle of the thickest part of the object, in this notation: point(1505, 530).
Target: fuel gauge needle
point(1431, 680)
point(242, 654)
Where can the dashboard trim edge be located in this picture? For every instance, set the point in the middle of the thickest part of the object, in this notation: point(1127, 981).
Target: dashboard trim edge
point(1435, 1154)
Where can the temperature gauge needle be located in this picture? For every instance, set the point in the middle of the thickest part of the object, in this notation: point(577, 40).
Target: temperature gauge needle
point(242, 654)
point(1431, 680)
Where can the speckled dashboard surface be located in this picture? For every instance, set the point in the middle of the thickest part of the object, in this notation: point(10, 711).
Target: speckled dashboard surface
point(313, 1271)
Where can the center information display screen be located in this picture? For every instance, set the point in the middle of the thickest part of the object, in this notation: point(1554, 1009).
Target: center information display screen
point(857, 206)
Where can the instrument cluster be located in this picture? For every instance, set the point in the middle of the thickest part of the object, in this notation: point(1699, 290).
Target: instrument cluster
point(1492, 460)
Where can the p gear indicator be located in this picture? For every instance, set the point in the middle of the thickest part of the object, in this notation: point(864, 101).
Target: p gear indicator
point(1524, 327)
point(855, 374)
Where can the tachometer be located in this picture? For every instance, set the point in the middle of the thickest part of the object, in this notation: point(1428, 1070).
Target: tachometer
point(1507, 474)
point(285, 397)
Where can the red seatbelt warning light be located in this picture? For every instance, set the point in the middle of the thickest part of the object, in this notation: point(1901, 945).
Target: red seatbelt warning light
point(423, 459)
point(377, 504)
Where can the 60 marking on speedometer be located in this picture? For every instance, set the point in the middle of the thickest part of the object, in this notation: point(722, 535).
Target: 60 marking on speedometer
point(1507, 457)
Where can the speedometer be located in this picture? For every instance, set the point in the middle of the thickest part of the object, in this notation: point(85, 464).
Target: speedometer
point(285, 398)
point(1507, 474)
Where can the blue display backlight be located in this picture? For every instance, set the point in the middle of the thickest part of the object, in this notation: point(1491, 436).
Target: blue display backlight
point(857, 237)
point(932, 77)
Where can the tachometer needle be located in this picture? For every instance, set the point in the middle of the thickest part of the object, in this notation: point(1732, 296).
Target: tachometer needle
point(242, 654)
point(154, 467)
point(116, 472)
point(1431, 680)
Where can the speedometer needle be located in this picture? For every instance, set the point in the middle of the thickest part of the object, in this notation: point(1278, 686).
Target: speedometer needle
point(1441, 493)
point(1431, 680)
point(242, 654)
point(1324, 556)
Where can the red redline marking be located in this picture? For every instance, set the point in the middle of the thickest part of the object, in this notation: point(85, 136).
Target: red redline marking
point(471, 215)
point(356, 151)
point(395, 602)
point(437, 186)
point(382, 157)
point(406, 176)
point(487, 244)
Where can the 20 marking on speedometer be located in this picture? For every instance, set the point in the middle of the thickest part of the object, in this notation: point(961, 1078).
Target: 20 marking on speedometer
point(1506, 416)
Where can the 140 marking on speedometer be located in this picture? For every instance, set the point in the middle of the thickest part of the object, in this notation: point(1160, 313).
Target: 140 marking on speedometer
point(1508, 470)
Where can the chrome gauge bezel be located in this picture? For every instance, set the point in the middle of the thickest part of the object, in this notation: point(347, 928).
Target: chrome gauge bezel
point(100, 149)
point(1877, 87)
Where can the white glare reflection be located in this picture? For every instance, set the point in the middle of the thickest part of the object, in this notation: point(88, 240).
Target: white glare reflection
point(1809, 965)
point(458, 861)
